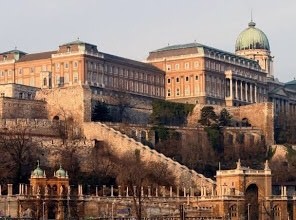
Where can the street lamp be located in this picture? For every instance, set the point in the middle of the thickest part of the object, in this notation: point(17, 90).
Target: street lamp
point(249, 211)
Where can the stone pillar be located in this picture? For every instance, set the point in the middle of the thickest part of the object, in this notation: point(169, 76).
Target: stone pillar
point(20, 189)
point(80, 191)
point(191, 192)
point(97, 191)
point(127, 191)
point(9, 189)
point(134, 190)
point(236, 93)
point(104, 189)
point(26, 189)
point(149, 191)
point(171, 191)
point(251, 93)
point(231, 89)
point(163, 191)
point(112, 194)
point(241, 90)
point(119, 191)
point(156, 192)
point(246, 91)
point(255, 93)
point(142, 191)
point(178, 191)
point(184, 191)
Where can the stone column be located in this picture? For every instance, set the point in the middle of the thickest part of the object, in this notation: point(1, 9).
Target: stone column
point(171, 191)
point(127, 191)
point(241, 90)
point(149, 191)
point(184, 192)
point(142, 191)
point(80, 191)
point(178, 191)
point(104, 189)
point(246, 91)
point(96, 190)
point(251, 93)
point(20, 189)
point(231, 89)
point(236, 93)
point(255, 93)
point(134, 190)
point(9, 189)
point(163, 191)
point(119, 191)
point(112, 193)
point(156, 192)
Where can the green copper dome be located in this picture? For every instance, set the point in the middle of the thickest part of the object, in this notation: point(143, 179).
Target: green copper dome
point(38, 173)
point(252, 38)
point(61, 173)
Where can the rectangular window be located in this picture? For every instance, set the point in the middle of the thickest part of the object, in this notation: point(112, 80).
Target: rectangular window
point(177, 66)
point(186, 66)
point(196, 77)
point(169, 80)
point(187, 78)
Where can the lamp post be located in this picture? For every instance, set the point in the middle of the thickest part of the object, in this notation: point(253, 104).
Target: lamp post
point(249, 211)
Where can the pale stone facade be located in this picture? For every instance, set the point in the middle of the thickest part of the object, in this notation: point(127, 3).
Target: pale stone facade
point(80, 63)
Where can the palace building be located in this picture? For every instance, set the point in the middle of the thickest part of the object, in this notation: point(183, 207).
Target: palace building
point(80, 63)
point(196, 73)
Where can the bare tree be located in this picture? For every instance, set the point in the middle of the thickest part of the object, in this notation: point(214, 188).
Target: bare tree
point(135, 173)
point(17, 150)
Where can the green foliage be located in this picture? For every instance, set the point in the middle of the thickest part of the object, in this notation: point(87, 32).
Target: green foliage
point(169, 113)
point(214, 136)
point(224, 118)
point(208, 115)
point(270, 153)
point(101, 112)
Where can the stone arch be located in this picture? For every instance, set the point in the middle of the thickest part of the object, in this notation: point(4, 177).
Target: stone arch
point(245, 122)
point(251, 202)
point(56, 118)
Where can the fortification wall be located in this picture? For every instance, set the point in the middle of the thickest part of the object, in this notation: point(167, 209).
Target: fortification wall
point(136, 109)
point(12, 108)
point(74, 101)
point(260, 115)
point(121, 144)
point(37, 127)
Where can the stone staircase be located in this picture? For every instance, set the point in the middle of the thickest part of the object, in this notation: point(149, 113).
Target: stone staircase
point(121, 144)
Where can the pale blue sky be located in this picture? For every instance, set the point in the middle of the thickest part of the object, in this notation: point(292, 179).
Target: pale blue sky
point(132, 28)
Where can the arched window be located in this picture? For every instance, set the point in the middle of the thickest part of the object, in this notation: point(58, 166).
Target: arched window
point(44, 81)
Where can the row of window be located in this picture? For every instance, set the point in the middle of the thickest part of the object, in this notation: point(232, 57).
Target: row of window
point(133, 74)
point(187, 79)
point(186, 66)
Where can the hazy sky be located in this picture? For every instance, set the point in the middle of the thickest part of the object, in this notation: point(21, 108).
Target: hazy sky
point(132, 28)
